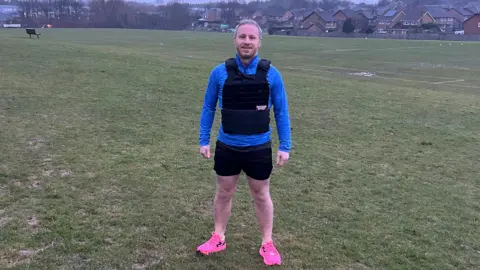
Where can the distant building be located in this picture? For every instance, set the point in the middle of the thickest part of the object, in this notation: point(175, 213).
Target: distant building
point(472, 25)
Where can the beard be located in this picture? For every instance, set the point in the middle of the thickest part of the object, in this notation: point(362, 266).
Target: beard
point(246, 52)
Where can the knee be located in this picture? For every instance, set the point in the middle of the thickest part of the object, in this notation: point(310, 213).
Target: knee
point(225, 194)
point(260, 196)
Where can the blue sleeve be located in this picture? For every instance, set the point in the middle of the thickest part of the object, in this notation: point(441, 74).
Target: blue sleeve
point(280, 108)
point(208, 109)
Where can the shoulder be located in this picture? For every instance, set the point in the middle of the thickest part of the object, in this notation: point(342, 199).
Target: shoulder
point(274, 75)
point(218, 71)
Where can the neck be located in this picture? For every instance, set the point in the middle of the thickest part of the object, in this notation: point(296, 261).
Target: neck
point(246, 62)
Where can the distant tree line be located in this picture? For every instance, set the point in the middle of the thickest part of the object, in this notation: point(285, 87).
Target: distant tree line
point(124, 14)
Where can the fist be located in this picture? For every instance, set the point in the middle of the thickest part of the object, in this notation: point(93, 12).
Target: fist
point(282, 158)
point(205, 151)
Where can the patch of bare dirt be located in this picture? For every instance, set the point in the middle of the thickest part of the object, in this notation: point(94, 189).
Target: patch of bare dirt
point(23, 256)
point(35, 184)
point(33, 222)
point(147, 258)
point(36, 143)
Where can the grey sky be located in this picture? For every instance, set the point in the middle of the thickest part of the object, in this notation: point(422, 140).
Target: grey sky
point(208, 1)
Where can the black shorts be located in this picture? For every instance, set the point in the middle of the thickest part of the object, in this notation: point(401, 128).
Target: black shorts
point(255, 161)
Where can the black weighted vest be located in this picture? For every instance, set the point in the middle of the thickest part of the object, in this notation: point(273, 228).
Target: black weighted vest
point(245, 100)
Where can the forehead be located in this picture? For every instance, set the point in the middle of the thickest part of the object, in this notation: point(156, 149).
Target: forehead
point(248, 29)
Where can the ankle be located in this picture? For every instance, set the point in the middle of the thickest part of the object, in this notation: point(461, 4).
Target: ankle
point(221, 234)
point(266, 240)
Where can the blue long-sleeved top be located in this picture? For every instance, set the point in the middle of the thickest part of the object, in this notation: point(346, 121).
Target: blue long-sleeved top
point(278, 98)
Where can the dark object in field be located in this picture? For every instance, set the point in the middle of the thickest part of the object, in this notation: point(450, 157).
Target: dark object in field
point(31, 31)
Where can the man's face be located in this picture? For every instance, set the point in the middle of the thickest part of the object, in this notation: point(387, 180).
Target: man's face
point(247, 41)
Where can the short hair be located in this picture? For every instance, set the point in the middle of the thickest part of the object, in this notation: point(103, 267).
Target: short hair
point(251, 22)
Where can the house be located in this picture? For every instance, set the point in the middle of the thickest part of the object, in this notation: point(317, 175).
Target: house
point(323, 21)
point(460, 13)
point(388, 20)
point(214, 14)
point(358, 19)
point(330, 22)
point(273, 13)
point(445, 21)
point(371, 15)
point(472, 25)
point(281, 28)
point(416, 18)
point(395, 5)
point(243, 14)
point(298, 14)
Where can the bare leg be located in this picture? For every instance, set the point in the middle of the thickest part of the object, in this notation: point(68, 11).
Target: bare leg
point(260, 191)
point(226, 187)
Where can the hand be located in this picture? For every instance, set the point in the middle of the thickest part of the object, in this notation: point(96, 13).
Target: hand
point(282, 158)
point(205, 151)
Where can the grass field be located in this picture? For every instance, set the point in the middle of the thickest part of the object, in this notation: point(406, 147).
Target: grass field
point(99, 162)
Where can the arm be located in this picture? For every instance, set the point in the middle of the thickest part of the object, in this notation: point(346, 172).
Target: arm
point(208, 109)
point(280, 106)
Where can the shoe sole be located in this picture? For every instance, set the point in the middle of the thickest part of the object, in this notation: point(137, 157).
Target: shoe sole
point(209, 253)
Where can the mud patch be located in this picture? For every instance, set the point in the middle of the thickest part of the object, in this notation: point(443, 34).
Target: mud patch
point(33, 222)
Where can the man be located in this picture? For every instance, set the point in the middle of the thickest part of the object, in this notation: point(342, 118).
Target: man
point(246, 88)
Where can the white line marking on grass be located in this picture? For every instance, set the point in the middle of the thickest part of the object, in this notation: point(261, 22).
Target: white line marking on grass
point(380, 49)
point(460, 80)
point(390, 78)
point(385, 72)
point(389, 72)
point(465, 85)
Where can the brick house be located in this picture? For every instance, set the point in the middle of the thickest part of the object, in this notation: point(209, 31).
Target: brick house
point(298, 14)
point(445, 21)
point(388, 20)
point(460, 13)
point(417, 17)
point(472, 25)
point(359, 20)
point(319, 21)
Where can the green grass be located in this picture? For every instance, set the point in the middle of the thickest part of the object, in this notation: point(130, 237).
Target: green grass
point(99, 162)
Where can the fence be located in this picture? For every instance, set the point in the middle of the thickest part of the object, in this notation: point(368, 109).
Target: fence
point(411, 36)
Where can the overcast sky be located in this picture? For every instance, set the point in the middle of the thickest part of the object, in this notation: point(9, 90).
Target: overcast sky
point(207, 1)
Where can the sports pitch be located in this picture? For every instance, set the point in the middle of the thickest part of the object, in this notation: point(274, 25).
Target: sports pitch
point(99, 162)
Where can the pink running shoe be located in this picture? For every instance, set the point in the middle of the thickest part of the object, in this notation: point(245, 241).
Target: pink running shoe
point(270, 254)
point(214, 244)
